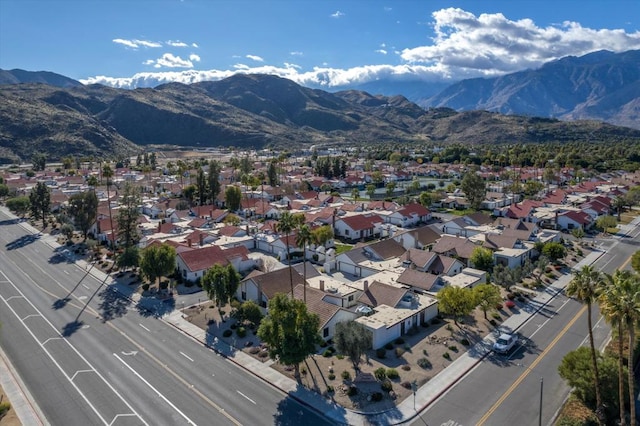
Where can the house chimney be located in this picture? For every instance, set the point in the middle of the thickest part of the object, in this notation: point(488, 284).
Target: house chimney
point(201, 239)
point(365, 285)
point(189, 242)
point(321, 285)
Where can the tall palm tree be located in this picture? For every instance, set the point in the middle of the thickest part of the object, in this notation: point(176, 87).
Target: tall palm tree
point(107, 172)
point(285, 225)
point(620, 304)
point(304, 238)
point(585, 287)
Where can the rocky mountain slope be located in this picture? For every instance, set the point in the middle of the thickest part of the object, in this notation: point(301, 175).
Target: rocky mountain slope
point(248, 111)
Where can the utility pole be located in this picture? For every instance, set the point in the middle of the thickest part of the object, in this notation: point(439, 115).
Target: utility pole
point(540, 411)
point(414, 388)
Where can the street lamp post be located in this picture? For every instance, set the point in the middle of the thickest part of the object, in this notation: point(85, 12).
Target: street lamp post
point(540, 411)
point(414, 388)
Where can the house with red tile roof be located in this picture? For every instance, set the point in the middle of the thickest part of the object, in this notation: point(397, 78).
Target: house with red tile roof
point(193, 264)
point(574, 219)
point(358, 227)
point(410, 215)
point(263, 286)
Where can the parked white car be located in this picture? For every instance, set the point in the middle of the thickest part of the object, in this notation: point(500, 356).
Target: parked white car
point(505, 343)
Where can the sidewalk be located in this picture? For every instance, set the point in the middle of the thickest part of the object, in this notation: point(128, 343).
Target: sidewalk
point(404, 412)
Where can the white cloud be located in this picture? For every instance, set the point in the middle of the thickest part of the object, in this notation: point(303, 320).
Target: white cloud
point(491, 44)
point(337, 14)
point(382, 51)
point(194, 45)
point(193, 57)
point(135, 44)
point(177, 43)
point(464, 46)
point(168, 60)
point(149, 62)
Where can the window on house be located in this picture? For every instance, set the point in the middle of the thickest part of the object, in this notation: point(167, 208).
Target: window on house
point(346, 232)
point(184, 273)
point(244, 295)
point(325, 332)
point(351, 298)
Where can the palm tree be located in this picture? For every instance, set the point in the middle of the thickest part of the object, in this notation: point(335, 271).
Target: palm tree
point(620, 304)
point(585, 287)
point(107, 172)
point(285, 225)
point(304, 238)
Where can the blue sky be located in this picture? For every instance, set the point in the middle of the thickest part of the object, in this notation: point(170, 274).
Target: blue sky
point(135, 43)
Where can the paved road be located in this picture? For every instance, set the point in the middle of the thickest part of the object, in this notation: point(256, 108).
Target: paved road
point(506, 389)
point(88, 356)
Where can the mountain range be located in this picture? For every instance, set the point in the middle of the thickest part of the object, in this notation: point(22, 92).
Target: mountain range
point(60, 116)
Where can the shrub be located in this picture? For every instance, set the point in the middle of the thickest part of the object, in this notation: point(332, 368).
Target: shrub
point(330, 389)
point(145, 286)
point(464, 342)
point(340, 356)
point(493, 322)
point(235, 304)
point(424, 363)
point(345, 375)
point(380, 373)
point(498, 306)
point(4, 408)
point(254, 350)
point(521, 299)
point(446, 355)
point(324, 344)
point(510, 304)
point(453, 348)
point(399, 341)
point(406, 367)
point(380, 353)
point(511, 296)
point(331, 376)
point(227, 333)
point(234, 326)
point(327, 353)
point(352, 390)
point(263, 354)
point(399, 352)
point(406, 385)
point(241, 332)
point(376, 396)
point(388, 346)
point(392, 373)
point(496, 316)
point(164, 285)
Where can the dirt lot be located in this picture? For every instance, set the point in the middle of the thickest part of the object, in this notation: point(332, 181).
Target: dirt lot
point(414, 357)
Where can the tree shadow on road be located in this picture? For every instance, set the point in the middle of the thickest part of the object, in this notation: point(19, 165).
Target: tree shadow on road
point(291, 413)
point(71, 328)
point(60, 303)
point(112, 303)
point(22, 241)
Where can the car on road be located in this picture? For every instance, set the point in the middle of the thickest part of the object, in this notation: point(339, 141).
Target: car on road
point(505, 343)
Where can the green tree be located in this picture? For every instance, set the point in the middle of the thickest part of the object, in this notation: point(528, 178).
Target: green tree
point(130, 258)
point(303, 239)
point(487, 296)
point(391, 186)
point(635, 261)
point(40, 202)
point(474, 188)
point(4, 190)
point(456, 301)
point(290, 331)
point(213, 180)
point(92, 181)
point(426, 199)
point(18, 205)
point(249, 311)
point(107, 172)
point(585, 287)
point(272, 174)
point(83, 207)
point(578, 233)
point(355, 193)
point(606, 222)
point(322, 235)
point(554, 251)
point(482, 258)
point(67, 230)
point(39, 161)
point(201, 185)
point(285, 225)
point(128, 213)
point(352, 339)
point(157, 261)
point(577, 369)
point(233, 197)
point(221, 283)
point(620, 304)
point(189, 193)
point(371, 190)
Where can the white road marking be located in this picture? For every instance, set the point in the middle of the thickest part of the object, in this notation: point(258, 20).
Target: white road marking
point(85, 286)
point(155, 390)
point(186, 356)
point(249, 399)
point(80, 371)
point(65, 272)
point(52, 358)
point(132, 353)
point(144, 327)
